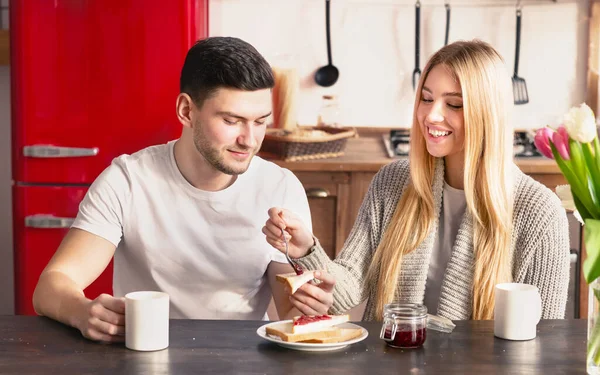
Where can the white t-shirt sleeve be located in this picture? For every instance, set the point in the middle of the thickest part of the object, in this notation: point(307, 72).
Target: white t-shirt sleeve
point(101, 210)
point(294, 200)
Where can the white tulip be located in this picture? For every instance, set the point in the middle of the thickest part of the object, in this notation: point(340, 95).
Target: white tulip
point(581, 123)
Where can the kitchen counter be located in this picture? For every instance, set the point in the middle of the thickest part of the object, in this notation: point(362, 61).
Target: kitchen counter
point(367, 154)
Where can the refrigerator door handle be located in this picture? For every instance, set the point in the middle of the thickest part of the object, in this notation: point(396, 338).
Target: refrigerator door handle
point(48, 221)
point(46, 151)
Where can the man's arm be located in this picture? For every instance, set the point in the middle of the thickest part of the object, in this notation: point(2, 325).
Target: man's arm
point(79, 260)
point(285, 310)
point(309, 299)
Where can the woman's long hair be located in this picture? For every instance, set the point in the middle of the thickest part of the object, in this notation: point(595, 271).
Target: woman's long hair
point(488, 135)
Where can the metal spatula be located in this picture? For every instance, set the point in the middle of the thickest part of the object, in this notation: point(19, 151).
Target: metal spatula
point(519, 86)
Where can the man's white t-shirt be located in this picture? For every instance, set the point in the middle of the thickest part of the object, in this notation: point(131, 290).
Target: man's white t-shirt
point(205, 249)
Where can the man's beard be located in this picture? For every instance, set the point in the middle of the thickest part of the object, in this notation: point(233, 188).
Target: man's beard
point(215, 158)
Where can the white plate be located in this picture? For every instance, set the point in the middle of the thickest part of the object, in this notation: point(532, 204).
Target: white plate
point(312, 347)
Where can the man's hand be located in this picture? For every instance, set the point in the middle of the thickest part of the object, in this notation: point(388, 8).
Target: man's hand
point(299, 238)
point(103, 319)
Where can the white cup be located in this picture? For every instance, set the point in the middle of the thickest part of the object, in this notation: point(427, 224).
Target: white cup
point(147, 320)
point(517, 311)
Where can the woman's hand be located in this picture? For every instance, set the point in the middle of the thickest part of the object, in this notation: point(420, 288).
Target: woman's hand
point(315, 299)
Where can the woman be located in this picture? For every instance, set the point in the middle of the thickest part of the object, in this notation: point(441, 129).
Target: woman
point(457, 218)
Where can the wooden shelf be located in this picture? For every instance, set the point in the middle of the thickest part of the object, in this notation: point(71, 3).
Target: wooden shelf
point(4, 47)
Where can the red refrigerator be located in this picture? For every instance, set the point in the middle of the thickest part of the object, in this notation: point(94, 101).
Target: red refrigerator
point(90, 80)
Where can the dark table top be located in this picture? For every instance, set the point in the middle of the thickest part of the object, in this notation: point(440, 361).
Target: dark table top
point(38, 345)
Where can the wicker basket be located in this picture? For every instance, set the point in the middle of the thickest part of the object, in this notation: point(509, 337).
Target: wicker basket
point(307, 143)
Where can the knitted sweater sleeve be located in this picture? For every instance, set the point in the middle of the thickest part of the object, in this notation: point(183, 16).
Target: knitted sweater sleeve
point(351, 266)
point(547, 264)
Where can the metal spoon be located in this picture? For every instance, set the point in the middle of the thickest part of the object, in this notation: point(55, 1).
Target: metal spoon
point(297, 268)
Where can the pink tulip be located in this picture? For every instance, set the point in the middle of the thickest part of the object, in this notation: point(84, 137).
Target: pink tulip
point(561, 141)
point(542, 141)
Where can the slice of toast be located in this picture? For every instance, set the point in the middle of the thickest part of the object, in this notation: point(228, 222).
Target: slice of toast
point(284, 332)
point(318, 324)
point(294, 281)
point(346, 334)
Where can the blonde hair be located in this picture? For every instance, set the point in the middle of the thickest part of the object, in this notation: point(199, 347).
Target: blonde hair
point(487, 107)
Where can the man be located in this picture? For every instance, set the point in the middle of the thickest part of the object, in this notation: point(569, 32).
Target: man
point(185, 217)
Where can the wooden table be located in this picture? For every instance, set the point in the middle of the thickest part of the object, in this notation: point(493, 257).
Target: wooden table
point(38, 345)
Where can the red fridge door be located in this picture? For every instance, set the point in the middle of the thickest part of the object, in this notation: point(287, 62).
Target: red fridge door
point(92, 80)
point(42, 217)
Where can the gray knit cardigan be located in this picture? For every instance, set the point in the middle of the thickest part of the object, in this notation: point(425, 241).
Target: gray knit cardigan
point(540, 249)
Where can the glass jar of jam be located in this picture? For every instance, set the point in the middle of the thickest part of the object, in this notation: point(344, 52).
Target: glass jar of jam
point(404, 325)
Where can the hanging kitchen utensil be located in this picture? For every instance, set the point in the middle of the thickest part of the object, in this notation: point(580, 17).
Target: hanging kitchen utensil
point(447, 5)
point(519, 86)
point(327, 75)
point(417, 71)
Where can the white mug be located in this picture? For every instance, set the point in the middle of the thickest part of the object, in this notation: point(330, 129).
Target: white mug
point(147, 320)
point(517, 311)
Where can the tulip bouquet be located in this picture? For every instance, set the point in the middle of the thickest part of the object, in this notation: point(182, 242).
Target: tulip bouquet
point(575, 147)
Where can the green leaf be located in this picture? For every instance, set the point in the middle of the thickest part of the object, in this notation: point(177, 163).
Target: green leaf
point(577, 161)
point(591, 266)
point(565, 166)
point(578, 188)
point(592, 168)
point(583, 212)
point(597, 151)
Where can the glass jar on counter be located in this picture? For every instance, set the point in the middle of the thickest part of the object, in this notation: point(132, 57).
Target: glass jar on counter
point(404, 325)
point(329, 113)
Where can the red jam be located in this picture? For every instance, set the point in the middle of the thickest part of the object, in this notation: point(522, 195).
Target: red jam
point(305, 319)
point(406, 336)
point(298, 269)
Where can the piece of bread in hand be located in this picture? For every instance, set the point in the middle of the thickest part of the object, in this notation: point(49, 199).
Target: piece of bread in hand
point(293, 281)
point(284, 332)
point(346, 334)
point(315, 323)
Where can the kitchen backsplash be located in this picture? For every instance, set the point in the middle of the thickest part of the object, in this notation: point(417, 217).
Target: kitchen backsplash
point(373, 47)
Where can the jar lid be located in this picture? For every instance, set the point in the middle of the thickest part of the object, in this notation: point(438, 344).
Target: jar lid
point(407, 310)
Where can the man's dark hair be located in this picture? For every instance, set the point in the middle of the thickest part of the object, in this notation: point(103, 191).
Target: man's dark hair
point(223, 62)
